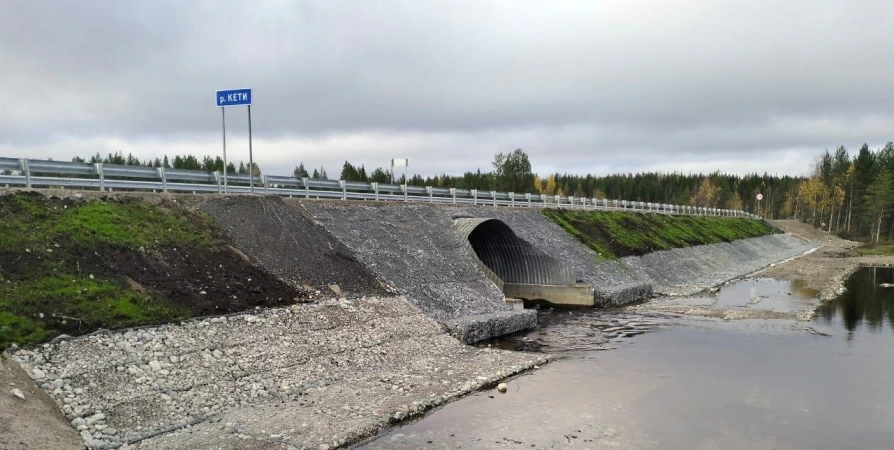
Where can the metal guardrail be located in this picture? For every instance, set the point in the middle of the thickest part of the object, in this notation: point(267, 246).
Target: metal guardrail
point(32, 173)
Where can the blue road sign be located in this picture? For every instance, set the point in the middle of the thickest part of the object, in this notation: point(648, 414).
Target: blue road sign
point(233, 97)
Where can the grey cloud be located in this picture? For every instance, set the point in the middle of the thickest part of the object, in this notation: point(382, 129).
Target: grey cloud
point(570, 81)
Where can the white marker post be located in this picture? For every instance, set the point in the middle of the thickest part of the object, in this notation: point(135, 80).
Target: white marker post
point(759, 198)
point(397, 162)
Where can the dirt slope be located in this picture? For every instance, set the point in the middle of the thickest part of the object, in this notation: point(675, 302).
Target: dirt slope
point(78, 263)
point(291, 246)
point(33, 423)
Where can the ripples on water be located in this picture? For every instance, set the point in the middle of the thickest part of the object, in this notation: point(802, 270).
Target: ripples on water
point(690, 383)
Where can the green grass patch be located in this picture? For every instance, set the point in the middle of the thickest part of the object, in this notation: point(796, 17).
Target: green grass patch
point(41, 308)
point(53, 279)
point(876, 250)
point(34, 219)
point(616, 234)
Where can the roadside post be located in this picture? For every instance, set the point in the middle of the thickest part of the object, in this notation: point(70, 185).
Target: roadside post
point(759, 198)
point(235, 97)
point(398, 162)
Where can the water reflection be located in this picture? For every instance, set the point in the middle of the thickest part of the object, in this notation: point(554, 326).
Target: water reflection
point(765, 293)
point(864, 302)
point(684, 383)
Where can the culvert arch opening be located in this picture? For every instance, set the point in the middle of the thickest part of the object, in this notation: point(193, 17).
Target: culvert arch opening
point(517, 267)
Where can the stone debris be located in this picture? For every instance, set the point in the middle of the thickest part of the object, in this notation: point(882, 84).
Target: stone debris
point(415, 248)
point(304, 376)
point(16, 392)
point(281, 238)
point(501, 387)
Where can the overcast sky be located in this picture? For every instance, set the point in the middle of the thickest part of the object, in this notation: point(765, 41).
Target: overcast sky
point(582, 86)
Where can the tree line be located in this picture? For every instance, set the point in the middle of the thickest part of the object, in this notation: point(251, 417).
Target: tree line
point(848, 195)
point(512, 172)
point(186, 162)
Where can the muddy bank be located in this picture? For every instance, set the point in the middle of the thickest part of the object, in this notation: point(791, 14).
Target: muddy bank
point(826, 269)
point(33, 422)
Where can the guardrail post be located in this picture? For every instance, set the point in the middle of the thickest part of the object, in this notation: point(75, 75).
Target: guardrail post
point(558, 201)
point(512, 199)
point(431, 196)
point(375, 187)
point(493, 195)
point(453, 194)
point(474, 196)
point(164, 180)
point(528, 198)
point(26, 170)
point(304, 181)
point(102, 178)
point(406, 192)
point(344, 189)
point(571, 201)
point(264, 181)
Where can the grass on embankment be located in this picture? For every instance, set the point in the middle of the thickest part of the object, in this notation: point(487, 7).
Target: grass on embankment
point(76, 265)
point(876, 250)
point(617, 234)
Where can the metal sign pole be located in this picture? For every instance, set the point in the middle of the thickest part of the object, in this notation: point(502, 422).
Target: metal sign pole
point(223, 120)
point(235, 97)
point(251, 160)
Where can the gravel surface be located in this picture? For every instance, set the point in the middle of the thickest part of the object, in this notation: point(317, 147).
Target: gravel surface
point(309, 375)
point(416, 248)
point(828, 268)
point(614, 283)
point(686, 271)
point(291, 246)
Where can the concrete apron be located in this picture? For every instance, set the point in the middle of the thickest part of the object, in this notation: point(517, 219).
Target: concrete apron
point(577, 295)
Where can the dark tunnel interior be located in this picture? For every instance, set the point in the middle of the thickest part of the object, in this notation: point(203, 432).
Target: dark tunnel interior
point(515, 260)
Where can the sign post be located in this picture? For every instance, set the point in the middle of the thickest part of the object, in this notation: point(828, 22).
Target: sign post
point(759, 198)
point(398, 162)
point(236, 97)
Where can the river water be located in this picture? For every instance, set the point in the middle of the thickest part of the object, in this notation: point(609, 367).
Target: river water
point(652, 381)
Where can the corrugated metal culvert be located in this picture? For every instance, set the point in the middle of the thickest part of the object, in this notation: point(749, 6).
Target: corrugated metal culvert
point(511, 258)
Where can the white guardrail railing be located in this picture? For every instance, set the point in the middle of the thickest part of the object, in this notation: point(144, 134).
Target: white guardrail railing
point(33, 173)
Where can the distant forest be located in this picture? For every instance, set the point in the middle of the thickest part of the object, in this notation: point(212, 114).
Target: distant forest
point(844, 193)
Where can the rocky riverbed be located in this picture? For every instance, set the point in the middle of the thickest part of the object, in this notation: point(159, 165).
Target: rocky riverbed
point(310, 375)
